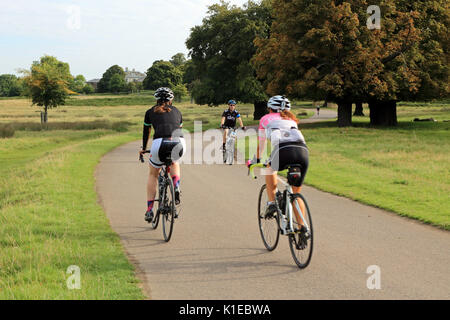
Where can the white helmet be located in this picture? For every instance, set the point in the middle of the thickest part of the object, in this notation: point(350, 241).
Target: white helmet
point(164, 94)
point(279, 103)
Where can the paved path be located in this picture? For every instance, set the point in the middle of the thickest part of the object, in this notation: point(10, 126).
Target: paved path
point(216, 251)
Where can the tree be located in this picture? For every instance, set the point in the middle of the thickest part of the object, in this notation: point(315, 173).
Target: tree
point(104, 83)
point(117, 83)
point(88, 89)
point(77, 84)
point(178, 60)
point(48, 83)
point(10, 86)
point(180, 91)
point(324, 50)
point(162, 74)
point(221, 49)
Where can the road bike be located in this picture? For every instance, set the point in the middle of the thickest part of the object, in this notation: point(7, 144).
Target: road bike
point(283, 222)
point(230, 145)
point(165, 199)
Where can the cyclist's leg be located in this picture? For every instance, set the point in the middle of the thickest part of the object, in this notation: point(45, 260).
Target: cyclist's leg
point(302, 158)
point(301, 205)
point(175, 172)
point(271, 183)
point(152, 182)
point(225, 133)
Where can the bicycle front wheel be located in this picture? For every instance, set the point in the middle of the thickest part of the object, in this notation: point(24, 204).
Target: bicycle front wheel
point(268, 224)
point(301, 244)
point(168, 210)
point(230, 155)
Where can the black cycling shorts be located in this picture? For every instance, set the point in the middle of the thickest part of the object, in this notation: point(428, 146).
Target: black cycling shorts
point(288, 154)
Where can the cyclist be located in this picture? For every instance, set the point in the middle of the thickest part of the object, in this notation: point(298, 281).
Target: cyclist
point(280, 127)
point(168, 143)
point(228, 121)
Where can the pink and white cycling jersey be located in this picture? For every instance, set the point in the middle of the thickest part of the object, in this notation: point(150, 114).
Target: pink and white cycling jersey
point(278, 130)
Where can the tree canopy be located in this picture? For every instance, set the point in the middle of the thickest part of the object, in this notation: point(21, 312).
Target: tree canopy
point(324, 50)
point(162, 74)
point(221, 49)
point(104, 85)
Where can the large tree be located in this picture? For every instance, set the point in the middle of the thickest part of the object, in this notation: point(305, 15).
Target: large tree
point(162, 74)
point(221, 49)
point(324, 50)
point(48, 82)
point(105, 81)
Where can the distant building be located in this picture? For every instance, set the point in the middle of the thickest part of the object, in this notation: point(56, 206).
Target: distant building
point(134, 76)
point(94, 83)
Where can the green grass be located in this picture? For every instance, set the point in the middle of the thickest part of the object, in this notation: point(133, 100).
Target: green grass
point(50, 220)
point(404, 169)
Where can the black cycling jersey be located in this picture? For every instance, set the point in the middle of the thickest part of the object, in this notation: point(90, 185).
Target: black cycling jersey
point(165, 124)
point(230, 118)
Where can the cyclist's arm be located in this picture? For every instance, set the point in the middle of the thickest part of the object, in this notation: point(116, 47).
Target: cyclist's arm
point(145, 136)
point(222, 121)
point(240, 121)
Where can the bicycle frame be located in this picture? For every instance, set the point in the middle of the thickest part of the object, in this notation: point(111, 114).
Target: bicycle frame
point(288, 210)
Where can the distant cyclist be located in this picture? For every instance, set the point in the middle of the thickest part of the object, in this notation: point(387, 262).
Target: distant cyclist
point(228, 121)
point(280, 127)
point(168, 143)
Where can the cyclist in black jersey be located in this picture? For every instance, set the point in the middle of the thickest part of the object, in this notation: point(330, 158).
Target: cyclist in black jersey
point(168, 143)
point(229, 117)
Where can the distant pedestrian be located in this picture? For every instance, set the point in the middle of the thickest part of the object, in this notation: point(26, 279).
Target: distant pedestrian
point(318, 109)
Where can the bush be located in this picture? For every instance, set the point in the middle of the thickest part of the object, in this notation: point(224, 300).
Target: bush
point(6, 131)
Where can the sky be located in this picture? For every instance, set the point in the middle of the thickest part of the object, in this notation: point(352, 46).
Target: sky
point(92, 35)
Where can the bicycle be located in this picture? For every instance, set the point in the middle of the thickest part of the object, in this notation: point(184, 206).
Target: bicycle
point(282, 222)
point(228, 152)
point(165, 200)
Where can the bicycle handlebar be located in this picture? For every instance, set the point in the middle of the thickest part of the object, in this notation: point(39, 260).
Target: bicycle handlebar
point(260, 165)
point(252, 168)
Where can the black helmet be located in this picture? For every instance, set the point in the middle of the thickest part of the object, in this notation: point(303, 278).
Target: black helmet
point(164, 94)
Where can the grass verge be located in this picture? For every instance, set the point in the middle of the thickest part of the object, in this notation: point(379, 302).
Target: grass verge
point(50, 220)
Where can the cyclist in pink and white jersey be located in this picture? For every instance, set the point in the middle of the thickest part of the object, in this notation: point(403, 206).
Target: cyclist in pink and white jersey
point(280, 127)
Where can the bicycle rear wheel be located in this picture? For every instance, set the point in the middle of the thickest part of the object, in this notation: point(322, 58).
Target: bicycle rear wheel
point(155, 220)
point(301, 244)
point(268, 225)
point(168, 210)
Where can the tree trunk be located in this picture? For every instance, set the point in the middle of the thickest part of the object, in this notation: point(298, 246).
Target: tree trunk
point(325, 104)
point(383, 113)
point(344, 114)
point(359, 109)
point(44, 115)
point(260, 109)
